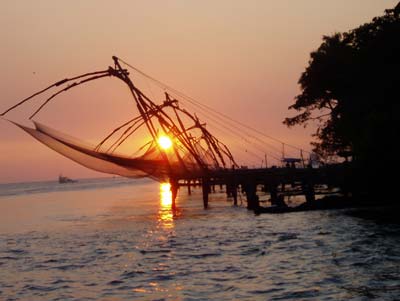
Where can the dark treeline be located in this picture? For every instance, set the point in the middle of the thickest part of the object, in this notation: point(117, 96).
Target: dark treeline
point(351, 87)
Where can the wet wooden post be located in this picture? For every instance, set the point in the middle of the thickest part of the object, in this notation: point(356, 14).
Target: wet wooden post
point(276, 199)
point(251, 194)
point(233, 183)
point(234, 189)
point(228, 189)
point(308, 190)
point(189, 188)
point(234, 194)
point(231, 188)
point(310, 197)
point(174, 190)
point(273, 191)
point(206, 189)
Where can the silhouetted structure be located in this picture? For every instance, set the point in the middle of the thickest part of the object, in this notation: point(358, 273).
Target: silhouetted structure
point(352, 87)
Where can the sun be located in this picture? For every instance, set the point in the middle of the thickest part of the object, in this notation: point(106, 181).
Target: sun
point(164, 142)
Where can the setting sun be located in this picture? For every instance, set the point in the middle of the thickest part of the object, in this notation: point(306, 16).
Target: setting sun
point(164, 142)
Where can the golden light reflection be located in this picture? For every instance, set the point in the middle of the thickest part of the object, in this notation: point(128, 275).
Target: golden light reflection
point(166, 195)
point(165, 215)
point(139, 290)
point(164, 142)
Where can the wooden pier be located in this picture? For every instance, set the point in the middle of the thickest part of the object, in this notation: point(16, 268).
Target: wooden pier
point(277, 182)
point(182, 149)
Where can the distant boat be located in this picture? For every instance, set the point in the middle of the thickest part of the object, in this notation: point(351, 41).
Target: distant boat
point(63, 180)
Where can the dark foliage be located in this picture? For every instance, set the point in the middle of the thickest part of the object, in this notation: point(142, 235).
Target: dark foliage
point(352, 89)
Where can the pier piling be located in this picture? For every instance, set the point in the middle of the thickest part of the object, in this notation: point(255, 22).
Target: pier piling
point(174, 190)
point(277, 183)
point(206, 189)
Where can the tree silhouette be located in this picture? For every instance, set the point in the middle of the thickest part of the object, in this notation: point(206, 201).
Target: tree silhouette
point(351, 88)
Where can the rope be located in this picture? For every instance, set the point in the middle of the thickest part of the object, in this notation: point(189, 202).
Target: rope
point(197, 103)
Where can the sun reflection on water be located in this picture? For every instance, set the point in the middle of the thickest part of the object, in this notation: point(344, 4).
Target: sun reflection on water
point(166, 195)
point(165, 215)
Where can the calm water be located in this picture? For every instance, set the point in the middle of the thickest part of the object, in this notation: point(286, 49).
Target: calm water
point(117, 239)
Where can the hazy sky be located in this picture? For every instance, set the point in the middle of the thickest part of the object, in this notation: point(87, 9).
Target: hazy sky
point(240, 57)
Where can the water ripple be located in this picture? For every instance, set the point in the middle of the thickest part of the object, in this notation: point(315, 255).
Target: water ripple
point(220, 254)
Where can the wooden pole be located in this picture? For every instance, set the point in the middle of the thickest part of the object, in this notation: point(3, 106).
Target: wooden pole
point(205, 189)
point(174, 190)
point(251, 195)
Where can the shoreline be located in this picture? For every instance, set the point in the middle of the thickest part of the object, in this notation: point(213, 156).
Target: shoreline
point(331, 203)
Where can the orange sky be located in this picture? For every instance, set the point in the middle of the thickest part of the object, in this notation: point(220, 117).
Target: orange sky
point(242, 58)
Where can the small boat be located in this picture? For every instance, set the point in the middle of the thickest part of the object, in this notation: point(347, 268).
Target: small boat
point(63, 180)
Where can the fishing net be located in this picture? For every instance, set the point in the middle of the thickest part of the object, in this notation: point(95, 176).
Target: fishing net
point(193, 152)
point(154, 164)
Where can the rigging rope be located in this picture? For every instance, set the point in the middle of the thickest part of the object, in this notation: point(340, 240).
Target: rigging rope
point(209, 109)
point(219, 120)
point(226, 130)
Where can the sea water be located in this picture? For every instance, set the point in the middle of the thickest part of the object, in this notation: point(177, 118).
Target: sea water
point(118, 239)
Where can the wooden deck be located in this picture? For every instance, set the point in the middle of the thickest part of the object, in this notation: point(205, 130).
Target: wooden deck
point(277, 182)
